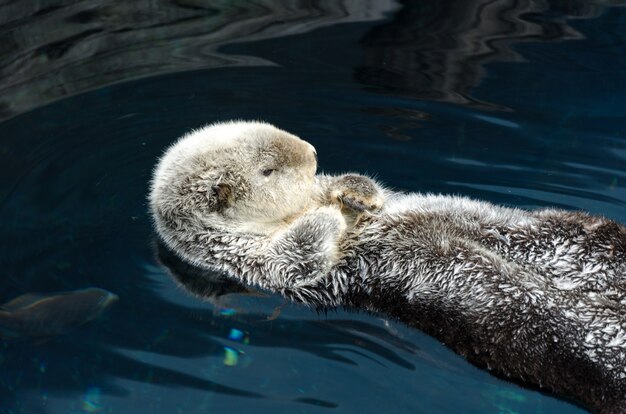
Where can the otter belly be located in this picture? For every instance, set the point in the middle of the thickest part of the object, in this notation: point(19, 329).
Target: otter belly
point(476, 281)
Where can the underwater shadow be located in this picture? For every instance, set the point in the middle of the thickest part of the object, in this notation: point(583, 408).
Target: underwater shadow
point(136, 339)
point(322, 338)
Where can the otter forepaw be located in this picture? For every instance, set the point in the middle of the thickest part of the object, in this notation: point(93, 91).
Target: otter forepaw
point(326, 223)
point(308, 248)
point(357, 193)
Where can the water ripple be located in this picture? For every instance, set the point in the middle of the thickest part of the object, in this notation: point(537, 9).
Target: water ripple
point(64, 48)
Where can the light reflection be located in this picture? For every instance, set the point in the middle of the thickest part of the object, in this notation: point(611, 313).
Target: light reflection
point(91, 400)
point(59, 51)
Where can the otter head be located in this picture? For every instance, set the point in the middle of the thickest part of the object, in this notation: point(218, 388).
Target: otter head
point(233, 176)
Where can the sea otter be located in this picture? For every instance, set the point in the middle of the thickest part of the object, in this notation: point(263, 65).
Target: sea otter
point(537, 296)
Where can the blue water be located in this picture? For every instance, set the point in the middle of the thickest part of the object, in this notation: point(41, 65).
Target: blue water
point(524, 106)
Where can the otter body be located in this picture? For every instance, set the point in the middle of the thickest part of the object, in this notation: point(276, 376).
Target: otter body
point(538, 296)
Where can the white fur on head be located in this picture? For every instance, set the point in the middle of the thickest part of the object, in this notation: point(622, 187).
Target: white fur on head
point(237, 176)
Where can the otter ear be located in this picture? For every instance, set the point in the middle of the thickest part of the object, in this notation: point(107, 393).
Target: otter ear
point(220, 197)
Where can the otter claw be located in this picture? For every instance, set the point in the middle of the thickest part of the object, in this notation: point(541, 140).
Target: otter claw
point(353, 204)
point(357, 193)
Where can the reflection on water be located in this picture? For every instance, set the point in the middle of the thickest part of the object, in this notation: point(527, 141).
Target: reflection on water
point(437, 50)
point(52, 49)
point(209, 284)
point(431, 50)
point(150, 327)
point(203, 283)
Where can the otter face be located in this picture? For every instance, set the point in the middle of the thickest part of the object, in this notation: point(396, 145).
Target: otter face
point(278, 172)
point(239, 176)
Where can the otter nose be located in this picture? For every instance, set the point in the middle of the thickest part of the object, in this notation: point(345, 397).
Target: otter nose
point(312, 148)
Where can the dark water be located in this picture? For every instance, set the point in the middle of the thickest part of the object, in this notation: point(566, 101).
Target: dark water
point(517, 102)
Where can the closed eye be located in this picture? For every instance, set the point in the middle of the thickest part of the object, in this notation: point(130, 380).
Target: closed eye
point(268, 172)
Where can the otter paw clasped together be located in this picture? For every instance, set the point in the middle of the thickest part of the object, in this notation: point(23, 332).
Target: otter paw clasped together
point(357, 192)
point(536, 296)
